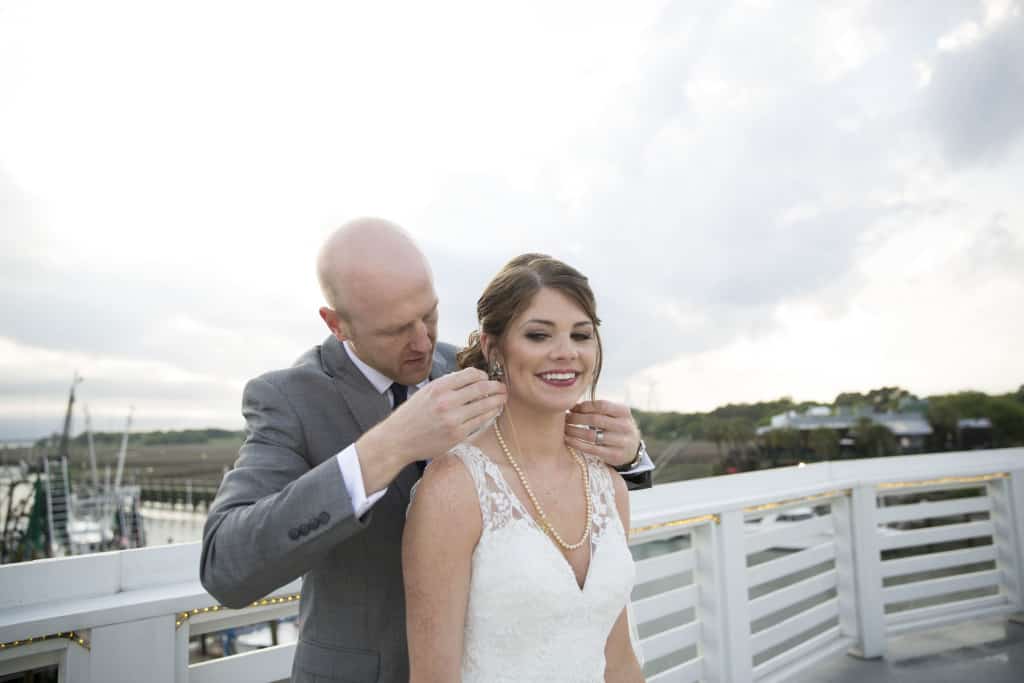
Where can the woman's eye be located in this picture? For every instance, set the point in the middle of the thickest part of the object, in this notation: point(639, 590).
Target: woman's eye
point(581, 336)
point(536, 336)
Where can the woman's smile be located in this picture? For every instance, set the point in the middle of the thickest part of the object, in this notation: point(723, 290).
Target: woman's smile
point(559, 378)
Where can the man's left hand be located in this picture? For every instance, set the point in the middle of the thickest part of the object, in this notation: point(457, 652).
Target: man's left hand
point(610, 432)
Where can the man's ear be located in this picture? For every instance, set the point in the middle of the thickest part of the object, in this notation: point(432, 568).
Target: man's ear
point(334, 323)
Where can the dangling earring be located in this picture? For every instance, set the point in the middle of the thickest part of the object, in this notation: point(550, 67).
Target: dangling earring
point(496, 372)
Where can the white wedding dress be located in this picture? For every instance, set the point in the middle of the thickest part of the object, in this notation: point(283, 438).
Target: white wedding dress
point(527, 618)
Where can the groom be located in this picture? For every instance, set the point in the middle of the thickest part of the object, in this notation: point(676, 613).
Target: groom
point(335, 443)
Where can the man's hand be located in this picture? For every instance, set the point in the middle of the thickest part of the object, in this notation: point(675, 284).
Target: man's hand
point(610, 432)
point(435, 418)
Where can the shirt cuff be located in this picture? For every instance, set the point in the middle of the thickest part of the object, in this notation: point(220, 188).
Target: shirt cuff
point(352, 475)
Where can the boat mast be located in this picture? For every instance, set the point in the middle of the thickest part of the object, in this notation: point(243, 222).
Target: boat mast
point(124, 451)
point(65, 436)
point(92, 450)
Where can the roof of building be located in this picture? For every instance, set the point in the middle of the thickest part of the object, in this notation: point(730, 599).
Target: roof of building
point(900, 424)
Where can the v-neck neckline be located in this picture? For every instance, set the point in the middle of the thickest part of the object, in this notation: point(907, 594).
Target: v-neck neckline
point(550, 542)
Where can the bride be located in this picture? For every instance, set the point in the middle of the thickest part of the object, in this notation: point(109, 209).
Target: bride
point(515, 557)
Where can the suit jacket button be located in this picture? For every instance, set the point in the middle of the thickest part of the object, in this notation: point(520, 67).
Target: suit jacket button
point(303, 529)
point(314, 523)
point(293, 534)
point(324, 517)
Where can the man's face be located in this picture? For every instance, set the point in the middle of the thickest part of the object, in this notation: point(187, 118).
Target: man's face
point(393, 329)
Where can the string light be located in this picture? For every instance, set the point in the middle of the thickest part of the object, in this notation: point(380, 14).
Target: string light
point(281, 600)
point(72, 636)
point(675, 523)
point(980, 479)
point(796, 501)
point(180, 619)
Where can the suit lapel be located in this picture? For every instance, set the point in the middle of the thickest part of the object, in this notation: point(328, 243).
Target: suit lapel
point(368, 406)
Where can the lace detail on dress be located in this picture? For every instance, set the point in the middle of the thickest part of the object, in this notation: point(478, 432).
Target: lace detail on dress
point(500, 506)
point(527, 618)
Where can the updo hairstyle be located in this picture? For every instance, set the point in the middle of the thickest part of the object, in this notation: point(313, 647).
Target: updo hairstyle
point(510, 293)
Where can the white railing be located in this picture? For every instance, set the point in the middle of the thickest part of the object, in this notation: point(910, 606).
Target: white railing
point(730, 587)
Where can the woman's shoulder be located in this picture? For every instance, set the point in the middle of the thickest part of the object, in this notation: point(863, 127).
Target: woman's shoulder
point(446, 489)
point(450, 469)
point(600, 468)
point(606, 477)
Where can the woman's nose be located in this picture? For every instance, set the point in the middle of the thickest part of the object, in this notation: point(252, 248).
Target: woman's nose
point(565, 348)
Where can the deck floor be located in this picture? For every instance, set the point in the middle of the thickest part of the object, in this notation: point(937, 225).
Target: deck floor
point(986, 651)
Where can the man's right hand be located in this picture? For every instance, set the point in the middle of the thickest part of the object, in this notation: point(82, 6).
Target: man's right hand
point(435, 418)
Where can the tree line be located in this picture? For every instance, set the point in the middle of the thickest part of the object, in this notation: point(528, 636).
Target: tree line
point(154, 438)
point(732, 428)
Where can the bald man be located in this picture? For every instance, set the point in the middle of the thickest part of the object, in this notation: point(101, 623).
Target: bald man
point(334, 445)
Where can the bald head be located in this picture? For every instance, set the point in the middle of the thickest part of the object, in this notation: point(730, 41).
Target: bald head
point(364, 255)
point(381, 298)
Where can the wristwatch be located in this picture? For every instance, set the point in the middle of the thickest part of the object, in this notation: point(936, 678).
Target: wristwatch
point(641, 451)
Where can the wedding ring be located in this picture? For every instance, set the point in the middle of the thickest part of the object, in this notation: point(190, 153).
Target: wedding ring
point(598, 436)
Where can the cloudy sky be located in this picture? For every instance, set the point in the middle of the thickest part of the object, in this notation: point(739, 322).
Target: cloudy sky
point(770, 198)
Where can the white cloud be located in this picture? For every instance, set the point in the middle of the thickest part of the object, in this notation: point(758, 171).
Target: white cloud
point(962, 36)
point(968, 33)
point(742, 183)
point(844, 41)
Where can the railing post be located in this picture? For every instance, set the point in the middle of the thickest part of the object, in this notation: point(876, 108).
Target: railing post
point(121, 652)
point(722, 607)
point(181, 653)
point(74, 665)
point(711, 646)
point(863, 553)
point(846, 571)
point(1007, 496)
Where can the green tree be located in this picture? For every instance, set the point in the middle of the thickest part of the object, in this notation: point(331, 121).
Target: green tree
point(849, 399)
point(715, 429)
point(873, 440)
point(782, 444)
point(942, 416)
point(824, 442)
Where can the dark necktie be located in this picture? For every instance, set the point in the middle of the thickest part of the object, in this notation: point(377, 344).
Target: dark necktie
point(400, 392)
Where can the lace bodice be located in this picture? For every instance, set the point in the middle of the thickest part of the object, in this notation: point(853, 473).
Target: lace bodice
point(527, 618)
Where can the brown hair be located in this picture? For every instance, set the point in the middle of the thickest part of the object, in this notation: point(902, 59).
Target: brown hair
point(510, 293)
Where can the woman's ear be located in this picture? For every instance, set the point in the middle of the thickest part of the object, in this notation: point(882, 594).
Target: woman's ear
point(495, 368)
point(487, 347)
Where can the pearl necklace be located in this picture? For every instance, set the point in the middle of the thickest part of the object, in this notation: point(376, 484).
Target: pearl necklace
point(544, 523)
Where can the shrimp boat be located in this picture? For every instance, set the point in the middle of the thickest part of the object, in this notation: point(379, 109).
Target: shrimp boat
point(51, 515)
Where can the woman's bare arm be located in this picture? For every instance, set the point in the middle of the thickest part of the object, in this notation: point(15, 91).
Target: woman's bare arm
point(441, 531)
point(621, 665)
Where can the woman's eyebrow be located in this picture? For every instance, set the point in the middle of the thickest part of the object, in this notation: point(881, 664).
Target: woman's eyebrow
point(540, 321)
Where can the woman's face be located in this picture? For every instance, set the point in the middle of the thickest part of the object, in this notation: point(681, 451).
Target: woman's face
point(549, 353)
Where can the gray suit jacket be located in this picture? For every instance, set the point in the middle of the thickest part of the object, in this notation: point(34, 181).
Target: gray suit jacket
point(283, 512)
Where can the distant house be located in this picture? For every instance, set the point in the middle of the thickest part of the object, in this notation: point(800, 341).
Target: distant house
point(910, 429)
